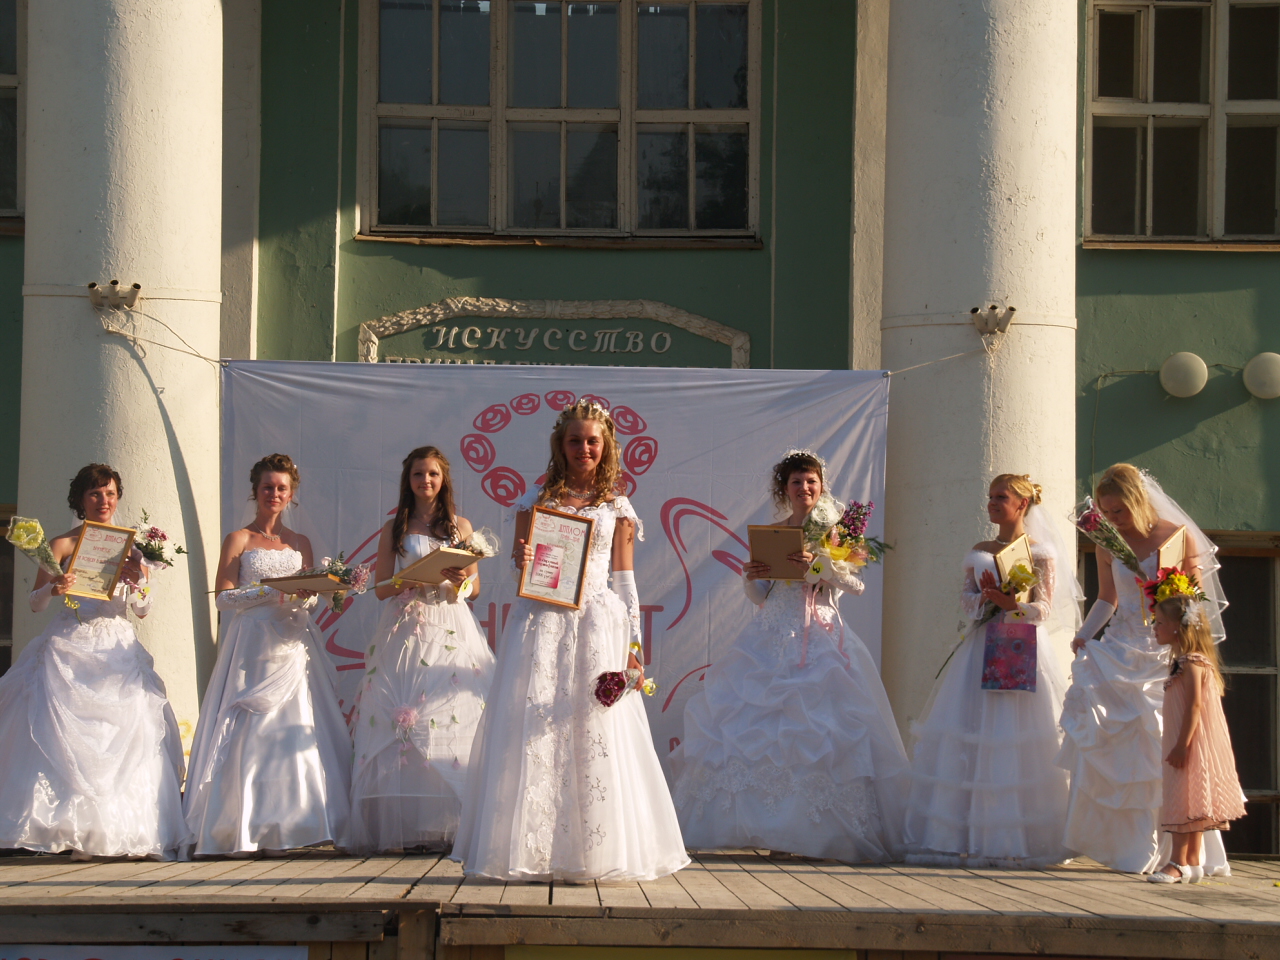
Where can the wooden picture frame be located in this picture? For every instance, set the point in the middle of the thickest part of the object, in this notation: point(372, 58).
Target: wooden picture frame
point(1173, 552)
point(428, 570)
point(1019, 551)
point(98, 559)
point(772, 543)
point(297, 582)
point(561, 543)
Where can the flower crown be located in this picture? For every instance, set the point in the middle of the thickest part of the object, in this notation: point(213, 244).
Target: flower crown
point(795, 452)
point(594, 411)
point(1171, 583)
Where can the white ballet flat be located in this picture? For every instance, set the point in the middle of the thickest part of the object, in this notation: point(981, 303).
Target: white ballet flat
point(1184, 875)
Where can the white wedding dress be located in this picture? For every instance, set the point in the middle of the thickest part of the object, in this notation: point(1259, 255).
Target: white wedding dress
point(986, 790)
point(561, 787)
point(89, 747)
point(271, 764)
point(791, 743)
point(428, 671)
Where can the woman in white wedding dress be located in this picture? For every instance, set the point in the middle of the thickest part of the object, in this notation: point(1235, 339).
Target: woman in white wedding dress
point(561, 787)
point(1112, 714)
point(428, 671)
point(89, 747)
point(985, 789)
point(791, 743)
point(271, 764)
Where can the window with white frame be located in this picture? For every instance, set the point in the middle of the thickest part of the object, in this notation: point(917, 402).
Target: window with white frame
point(10, 125)
point(1183, 118)
point(615, 118)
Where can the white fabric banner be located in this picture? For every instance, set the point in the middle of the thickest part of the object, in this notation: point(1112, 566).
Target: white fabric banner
point(697, 447)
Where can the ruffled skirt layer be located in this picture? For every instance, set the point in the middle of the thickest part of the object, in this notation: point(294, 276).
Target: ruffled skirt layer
point(428, 675)
point(89, 746)
point(985, 788)
point(561, 787)
point(271, 765)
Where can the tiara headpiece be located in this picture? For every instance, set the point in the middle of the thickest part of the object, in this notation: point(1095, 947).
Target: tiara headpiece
point(594, 411)
point(804, 452)
point(1171, 583)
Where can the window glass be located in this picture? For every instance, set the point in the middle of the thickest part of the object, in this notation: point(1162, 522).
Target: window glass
point(1251, 178)
point(591, 175)
point(535, 175)
point(1180, 73)
point(593, 55)
point(1119, 178)
point(404, 175)
point(464, 53)
point(1248, 583)
point(9, 149)
point(1117, 54)
point(404, 51)
point(8, 36)
point(535, 55)
point(663, 47)
point(462, 174)
point(720, 190)
point(662, 177)
point(721, 56)
point(1250, 706)
point(1253, 53)
point(1177, 179)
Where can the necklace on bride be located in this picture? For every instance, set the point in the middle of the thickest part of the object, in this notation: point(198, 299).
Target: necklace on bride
point(262, 533)
point(579, 494)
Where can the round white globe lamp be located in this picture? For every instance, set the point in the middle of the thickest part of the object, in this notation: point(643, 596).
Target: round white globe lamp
point(1183, 375)
point(1262, 376)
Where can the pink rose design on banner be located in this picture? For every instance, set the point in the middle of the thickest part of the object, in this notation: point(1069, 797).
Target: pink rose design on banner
point(628, 483)
point(557, 400)
point(477, 450)
point(640, 454)
point(627, 421)
point(503, 485)
point(492, 418)
point(526, 404)
point(592, 398)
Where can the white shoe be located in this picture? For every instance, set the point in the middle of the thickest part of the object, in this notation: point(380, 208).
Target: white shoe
point(1197, 873)
point(1184, 874)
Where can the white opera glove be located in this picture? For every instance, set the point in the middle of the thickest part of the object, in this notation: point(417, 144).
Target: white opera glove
point(1099, 614)
point(242, 598)
point(517, 572)
point(624, 585)
point(40, 597)
point(757, 591)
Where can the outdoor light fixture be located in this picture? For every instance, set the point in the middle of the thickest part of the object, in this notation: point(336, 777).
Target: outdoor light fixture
point(993, 318)
point(1262, 376)
point(117, 297)
point(1184, 375)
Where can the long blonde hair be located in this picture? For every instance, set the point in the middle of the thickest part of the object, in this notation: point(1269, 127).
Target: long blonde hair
point(1124, 480)
point(1193, 633)
point(609, 470)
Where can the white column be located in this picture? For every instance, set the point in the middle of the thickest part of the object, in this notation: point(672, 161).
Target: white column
point(124, 132)
point(979, 204)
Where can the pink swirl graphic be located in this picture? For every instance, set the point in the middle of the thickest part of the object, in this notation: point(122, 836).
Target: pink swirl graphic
point(503, 486)
point(492, 418)
point(627, 421)
point(674, 512)
point(526, 404)
point(477, 450)
point(557, 400)
point(592, 398)
point(640, 454)
point(628, 483)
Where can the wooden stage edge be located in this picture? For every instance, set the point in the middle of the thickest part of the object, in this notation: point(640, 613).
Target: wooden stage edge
point(421, 907)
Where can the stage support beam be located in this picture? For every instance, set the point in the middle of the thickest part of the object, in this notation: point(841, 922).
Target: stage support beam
point(980, 209)
point(124, 133)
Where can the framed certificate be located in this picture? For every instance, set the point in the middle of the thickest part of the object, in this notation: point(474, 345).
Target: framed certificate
point(1017, 552)
point(315, 582)
point(429, 570)
point(772, 543)
point(1173, 552)
point(560, 543)
point(100, 553)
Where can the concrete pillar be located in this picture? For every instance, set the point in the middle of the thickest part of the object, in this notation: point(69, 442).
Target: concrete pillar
point(980, 204)
point(124, 133)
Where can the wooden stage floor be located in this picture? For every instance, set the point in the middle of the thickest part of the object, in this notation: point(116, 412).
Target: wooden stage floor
point(421, 906)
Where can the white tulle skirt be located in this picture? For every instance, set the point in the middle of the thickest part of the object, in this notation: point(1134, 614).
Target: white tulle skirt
point(805, 759)
point(89, 747)
point(985, 788)
point(271, 764)
point(1111, 721)
point(561, 787)
point(428, 675)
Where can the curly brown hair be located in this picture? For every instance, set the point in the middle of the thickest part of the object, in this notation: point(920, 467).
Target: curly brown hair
point(91, 477)
point(275, 463)
point(609, 471)
point(784, 468)
point(445, 521)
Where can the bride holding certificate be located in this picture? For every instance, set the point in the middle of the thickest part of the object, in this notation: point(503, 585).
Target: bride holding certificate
point(428, 670)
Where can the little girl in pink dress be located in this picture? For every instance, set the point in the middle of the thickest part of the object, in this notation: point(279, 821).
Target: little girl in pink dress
point(1201, 788)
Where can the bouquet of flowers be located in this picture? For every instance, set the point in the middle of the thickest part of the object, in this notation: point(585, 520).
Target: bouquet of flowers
point(1171, 582)
point(354, 579)
point(839, 535)
point(26, 534)
point(1090, 521)
point(150, 542)
point(612, 684)
point(481, 543)
point(1019, 580)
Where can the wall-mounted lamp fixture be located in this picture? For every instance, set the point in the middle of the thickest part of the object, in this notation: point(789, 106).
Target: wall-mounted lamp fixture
point(1262, 376)
point(993, 318)
point(1183, 375)
point(117, 297)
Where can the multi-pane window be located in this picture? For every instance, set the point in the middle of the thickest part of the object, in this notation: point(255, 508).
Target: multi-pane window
point(1183, 120)
point(10, 204)
point(617, 118)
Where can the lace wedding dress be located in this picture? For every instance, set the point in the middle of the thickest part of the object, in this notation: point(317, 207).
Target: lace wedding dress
point(986, 790)
point(271, 764)
point(89, 747)
point(791, 743)
point(561, 787)
point(428, 674)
